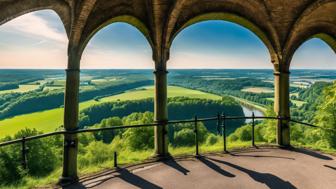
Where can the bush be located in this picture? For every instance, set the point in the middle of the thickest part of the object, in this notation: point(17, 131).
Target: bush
point(243, 134)
point(107, 136)
point(184, 137)
point(41, 158)
point(10, 171)
point(138, 138)
point(96, 153)
point(212, 139)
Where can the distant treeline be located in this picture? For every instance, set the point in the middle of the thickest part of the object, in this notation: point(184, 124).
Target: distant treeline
point(178, 108)
point(227, 87)
point(313, 98)
point(16, 104)
point(15, 85)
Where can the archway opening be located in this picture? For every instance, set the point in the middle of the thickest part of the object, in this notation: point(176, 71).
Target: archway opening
point(33, 51)
point(313, 71)
point(116, 89)
point(224, 65)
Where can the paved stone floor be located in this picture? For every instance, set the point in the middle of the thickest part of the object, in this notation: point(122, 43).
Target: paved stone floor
point(251, 168)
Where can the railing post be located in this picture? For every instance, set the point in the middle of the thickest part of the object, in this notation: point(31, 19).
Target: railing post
point(196, 135)
point(224, 131)
point(280, 130)
point(115, 160)
point(24, 153)
point(253, 124)
point(218, 123)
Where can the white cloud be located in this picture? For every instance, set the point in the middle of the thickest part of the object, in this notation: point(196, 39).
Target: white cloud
point(33, 25)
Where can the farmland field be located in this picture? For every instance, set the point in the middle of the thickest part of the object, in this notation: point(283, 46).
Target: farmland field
point(21, 89)
point(258, 90)
point(298, 103)
point(49, 120)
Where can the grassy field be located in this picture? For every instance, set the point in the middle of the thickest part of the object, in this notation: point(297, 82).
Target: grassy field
point(258, 90)
point(50, 88)
point(148, 92)
point(49, 120)
point(298, 103)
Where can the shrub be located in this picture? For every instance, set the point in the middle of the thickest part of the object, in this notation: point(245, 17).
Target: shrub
point(212, 139)
point(10, 167)
point(96, 153)
point(184, 137)
point(41, 158)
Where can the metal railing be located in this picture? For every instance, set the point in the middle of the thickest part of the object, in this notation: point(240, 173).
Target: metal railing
point(221, 128)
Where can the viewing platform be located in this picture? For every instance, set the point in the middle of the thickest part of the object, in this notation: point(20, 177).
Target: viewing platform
point(264, 167)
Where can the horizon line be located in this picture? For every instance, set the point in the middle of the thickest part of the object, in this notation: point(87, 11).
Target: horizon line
point(167, 69)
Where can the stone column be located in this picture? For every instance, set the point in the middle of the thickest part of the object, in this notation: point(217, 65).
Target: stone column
point(71, 121)
point(281, 107)
point(161, 112)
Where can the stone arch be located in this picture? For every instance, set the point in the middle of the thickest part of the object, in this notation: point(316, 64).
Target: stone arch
point(325, 37)
point(234, 19)
point(13, 10)
point(131, 20)
point(317, 21)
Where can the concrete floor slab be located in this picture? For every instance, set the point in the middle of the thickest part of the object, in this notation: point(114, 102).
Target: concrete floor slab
point(252, 168)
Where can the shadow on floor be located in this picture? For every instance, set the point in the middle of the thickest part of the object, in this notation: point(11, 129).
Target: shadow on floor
point(311, 153)
point(123, 174)
point(331, 167)
point(249, 150)
point(215, 167)
point(270, 180)
point(75, 186)
point(260, 156)
point(135, 180)
point(173, 164)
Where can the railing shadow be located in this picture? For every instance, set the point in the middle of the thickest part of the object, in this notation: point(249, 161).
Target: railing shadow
point(135, 180)
point(270, 180)
point(215, 167)
point(260, 156)
point(173, 164)
point(331, 167)
point(123, 174)
point(310, 153)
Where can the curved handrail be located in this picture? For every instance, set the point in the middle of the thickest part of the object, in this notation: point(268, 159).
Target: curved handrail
point(153, 125)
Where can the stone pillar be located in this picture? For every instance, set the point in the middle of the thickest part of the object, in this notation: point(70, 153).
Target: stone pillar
point(161, 113)
point(281, 107)
point(71, 100)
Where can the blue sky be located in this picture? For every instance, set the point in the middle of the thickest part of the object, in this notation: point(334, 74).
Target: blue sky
point(38, 40)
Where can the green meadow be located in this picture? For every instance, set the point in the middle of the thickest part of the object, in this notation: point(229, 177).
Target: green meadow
point(49, 120)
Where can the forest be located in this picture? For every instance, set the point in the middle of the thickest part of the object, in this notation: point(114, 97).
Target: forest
point(229, 87)
point(38, 100)
point(48, 151)
point(179, 108)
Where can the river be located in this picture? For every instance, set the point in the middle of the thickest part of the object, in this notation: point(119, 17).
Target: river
point(248, 112)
